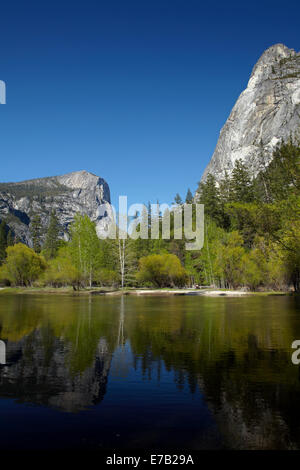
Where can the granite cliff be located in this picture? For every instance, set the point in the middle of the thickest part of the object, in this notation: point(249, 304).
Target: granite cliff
point(79, 191)
point(266, 112)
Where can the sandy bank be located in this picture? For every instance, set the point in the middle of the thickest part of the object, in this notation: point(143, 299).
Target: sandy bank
point(198, 292)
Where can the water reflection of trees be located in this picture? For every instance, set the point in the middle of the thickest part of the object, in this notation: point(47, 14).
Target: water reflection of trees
point(60, 354)
point(56, 355)
point(240, 360)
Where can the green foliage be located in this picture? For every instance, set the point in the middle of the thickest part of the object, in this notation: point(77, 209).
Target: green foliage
point(162, 271)
point(241, 185)
point(229, 259)
point(189, 197)
point(281, 178)
point(34, 191)
point(3, 241)
point(209, 195)
point(61, 270)
point(85, 248)
point(288, 239)
point(107, 277)
point(22, 265)
point(178, 199)
point(36, 232)
point(245, 218)
point(52, 241)
point(252, 235)
point(252, 238)
point(10, 238)
point(254, 269)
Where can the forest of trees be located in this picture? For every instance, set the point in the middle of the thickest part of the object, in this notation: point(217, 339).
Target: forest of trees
point(252, 240)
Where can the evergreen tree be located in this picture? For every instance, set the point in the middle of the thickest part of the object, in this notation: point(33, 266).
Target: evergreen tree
point(224, 188)
point(36, 232)
point(189, 197)
point(178, 199)
point(241, 185)
point(3, 241)
point(209, 196)
point(260, 183)
point(224, 195)
point(10, 238)
point(282, 177)
point(52, 241)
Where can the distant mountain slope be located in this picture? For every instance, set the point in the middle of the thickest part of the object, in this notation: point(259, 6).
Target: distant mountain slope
point(265, 113)
point(79, 191)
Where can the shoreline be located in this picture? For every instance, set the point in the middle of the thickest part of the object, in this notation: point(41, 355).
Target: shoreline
point(137, 292)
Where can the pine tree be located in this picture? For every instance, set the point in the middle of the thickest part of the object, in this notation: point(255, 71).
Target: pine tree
point(282, 176)
point(10, 238)
point(178, 199)
point(261, 189)
point(224, 188)
point(36, 232)
point(224, 198)
point(52, 241)
point(210, 197)
point(241, 185)
point(189, 197)
point(3, 241)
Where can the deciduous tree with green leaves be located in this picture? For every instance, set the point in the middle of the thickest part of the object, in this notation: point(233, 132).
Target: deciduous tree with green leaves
point(84, 247)
point(22, 265)
point(162, 271)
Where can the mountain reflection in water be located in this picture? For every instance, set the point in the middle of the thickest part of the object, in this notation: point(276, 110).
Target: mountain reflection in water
point(152, 372)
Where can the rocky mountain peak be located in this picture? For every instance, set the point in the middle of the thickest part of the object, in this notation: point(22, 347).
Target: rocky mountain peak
point(76, 192)
point(79, 179)
point(274, 53)
point(270, 60)
point(266, 112)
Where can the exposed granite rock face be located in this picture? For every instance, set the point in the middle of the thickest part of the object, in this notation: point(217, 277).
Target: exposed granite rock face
point(79, 191)
point(265, 113)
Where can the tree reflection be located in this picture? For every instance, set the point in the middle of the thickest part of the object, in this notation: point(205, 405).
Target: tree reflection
point(60, 352)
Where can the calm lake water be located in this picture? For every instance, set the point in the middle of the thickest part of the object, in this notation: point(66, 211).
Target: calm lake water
point(184, 373)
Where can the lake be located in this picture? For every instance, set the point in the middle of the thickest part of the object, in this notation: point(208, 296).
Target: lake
point(178, 372)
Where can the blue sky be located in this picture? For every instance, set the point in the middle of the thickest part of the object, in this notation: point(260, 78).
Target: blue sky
point(134, 91)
